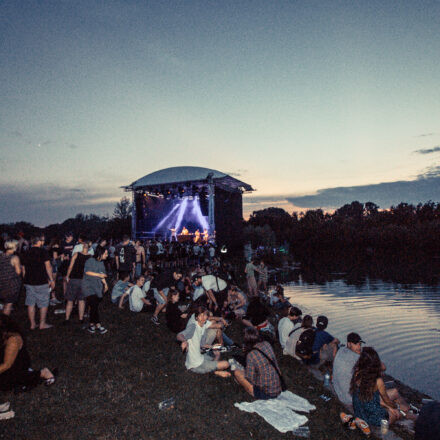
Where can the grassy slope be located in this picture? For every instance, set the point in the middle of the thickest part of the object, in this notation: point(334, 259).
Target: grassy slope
point(110, 386)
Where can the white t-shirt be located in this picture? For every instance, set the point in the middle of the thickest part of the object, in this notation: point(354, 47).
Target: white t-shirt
point(135, 298)
point(193, 334)
point(285, 326)
point(198, 292)
point(79, 248)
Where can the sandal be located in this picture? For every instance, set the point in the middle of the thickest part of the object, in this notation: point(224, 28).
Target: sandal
point(347, 420)
point(363, 426)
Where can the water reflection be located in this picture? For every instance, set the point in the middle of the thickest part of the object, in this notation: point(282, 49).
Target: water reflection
point(401, 320)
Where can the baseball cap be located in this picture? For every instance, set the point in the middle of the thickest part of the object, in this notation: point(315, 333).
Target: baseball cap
point(322, 322)
point(354, 338)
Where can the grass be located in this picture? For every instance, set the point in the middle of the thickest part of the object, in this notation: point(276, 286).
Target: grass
point(110, 386)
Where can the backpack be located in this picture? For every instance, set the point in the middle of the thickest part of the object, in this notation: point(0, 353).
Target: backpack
point(304, 346)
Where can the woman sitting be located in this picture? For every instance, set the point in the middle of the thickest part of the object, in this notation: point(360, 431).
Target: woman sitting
point(176, 320)
point(15, 369)
point(371, 401)
point(261, 377)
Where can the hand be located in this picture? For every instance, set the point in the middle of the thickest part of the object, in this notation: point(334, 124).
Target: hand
point(184, 345)
point(67, 279)
point(52, 284)
point(395, 412)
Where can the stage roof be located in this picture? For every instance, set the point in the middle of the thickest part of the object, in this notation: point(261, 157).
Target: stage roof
point(187, 175)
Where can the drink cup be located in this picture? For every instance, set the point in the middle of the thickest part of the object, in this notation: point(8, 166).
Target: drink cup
point(384, 425)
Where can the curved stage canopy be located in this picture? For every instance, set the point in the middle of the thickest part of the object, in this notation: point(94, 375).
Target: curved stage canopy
point(181, 202)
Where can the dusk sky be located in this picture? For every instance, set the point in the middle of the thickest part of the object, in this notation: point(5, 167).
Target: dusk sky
point(313, 103)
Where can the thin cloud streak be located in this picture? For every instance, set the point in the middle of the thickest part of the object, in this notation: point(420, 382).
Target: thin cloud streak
point(435, 149)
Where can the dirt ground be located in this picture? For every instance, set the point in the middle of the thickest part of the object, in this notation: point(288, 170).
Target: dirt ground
point(109, 387)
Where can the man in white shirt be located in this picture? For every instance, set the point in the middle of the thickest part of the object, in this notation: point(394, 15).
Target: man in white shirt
point(290, 321)
point(136, 296)
point(193, 339)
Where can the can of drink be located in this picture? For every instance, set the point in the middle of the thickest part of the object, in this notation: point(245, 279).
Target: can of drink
point(384, 425)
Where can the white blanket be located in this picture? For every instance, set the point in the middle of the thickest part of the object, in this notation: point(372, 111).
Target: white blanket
point(280, 412)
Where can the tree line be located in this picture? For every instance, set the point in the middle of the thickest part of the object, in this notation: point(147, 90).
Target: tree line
point(359, 228)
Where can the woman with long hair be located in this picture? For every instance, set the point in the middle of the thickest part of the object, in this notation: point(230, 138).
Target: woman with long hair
point(371, 401)
point(15, 366)
point(10, 276)
point(93, 286)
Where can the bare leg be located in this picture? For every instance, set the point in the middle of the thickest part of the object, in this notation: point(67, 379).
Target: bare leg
point(7, 309)
point(159, 307)
point(239, 376)
point(69, 307)
point(31, 316)
point(81, 309)
point(43, 323)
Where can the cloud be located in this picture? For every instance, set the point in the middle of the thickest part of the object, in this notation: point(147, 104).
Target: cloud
point(46, 204)
point(435, 149)
point(425, 188)
point(425, 135)
point(430, 172)
point(237, 173)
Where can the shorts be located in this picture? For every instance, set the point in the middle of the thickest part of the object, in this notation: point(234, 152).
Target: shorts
point(37, 295)
point(138, 270)
point(261, 395)
point(74, 290)
point(208, 365)
point(158, 296)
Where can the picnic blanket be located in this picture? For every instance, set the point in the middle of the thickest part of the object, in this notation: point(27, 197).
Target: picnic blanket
point(280, 412)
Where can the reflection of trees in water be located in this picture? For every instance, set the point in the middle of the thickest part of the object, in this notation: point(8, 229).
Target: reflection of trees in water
point(357, 272)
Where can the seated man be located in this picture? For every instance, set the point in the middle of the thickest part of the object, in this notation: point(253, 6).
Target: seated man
point(261, 377)
point(345, 360)
point(325, 345)
point(193, 340)
point(136, 296)
point(121, 286)
point(291, 320)
point(236, 302)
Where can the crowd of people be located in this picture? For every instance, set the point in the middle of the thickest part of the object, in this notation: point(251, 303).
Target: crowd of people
point(196, 294)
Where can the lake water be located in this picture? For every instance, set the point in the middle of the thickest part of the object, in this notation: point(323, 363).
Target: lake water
point(401, 322)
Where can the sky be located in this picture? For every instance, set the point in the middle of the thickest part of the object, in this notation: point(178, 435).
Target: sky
point(313, 103)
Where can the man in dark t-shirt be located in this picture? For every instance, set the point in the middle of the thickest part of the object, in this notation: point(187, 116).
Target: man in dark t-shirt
point(125, 256)
point(67, 246)
point(38, 281)
point(161, 285)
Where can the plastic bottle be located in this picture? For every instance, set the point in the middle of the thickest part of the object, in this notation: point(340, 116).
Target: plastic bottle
point(327, 380)
point(167, 404)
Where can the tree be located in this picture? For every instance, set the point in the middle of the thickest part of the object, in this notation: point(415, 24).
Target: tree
point(122, 209)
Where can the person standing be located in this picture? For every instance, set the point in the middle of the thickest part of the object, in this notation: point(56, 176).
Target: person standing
point(140, 258)
point(10, 280)
point(74, 278)
point(263, 276)
point(93, 285)
point(38, 281)
point(250, 277)
point(125, 256)
point(67, 246)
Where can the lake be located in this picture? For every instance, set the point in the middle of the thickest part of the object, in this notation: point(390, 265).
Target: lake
point(402, 322)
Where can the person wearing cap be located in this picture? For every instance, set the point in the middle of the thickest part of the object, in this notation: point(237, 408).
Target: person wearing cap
point(325, 345)
point(345, 360)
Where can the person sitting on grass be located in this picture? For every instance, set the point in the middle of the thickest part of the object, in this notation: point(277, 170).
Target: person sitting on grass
point(257, 316)
point(121, 286)
point(176, 320)
point(295, 334)
point(236, 302)
point(193, 340)
point(279, 300)
point(15, 366)
point(261, 377)
point(325, 345)
point(291, 320)
point(136, 297)
point(371, 401)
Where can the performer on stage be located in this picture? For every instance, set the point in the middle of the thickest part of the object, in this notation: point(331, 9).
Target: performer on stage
point(184, 231)
point(197, 236)
point(205, 235)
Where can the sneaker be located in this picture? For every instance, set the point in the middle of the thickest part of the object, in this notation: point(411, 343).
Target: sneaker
point(91, 329)
point(155, 320)
point(54, 302)
point(348, 420)
point(7, 415)
point(59, 311)
point(235, 365)
point(101, 330)
point(362, 425)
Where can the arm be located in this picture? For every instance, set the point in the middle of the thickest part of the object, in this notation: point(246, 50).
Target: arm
point(96, 274)
point(121, 300)
point(15, 261)
point(69, 270)
point(49, 274)
point(184, 336)
point(13, 346)
point(388, 403)
point(117, 262)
